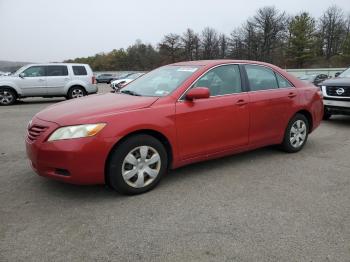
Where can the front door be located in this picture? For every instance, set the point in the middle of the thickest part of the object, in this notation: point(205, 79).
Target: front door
point(32, 81)
point(221, 122)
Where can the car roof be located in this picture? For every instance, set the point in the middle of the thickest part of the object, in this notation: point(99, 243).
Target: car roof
point(53, 64)
point(209, 63)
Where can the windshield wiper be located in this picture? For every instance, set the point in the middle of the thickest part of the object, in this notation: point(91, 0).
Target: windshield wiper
point(129, 92)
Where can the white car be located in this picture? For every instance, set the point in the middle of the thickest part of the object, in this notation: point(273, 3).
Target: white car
point(48, 80)
point(119, 83)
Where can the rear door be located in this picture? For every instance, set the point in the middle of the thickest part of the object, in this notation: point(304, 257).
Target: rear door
point(57, 78)
point(33, 81)
point(272, 100)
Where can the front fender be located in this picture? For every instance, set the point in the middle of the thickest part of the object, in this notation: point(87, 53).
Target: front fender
point(4, 83)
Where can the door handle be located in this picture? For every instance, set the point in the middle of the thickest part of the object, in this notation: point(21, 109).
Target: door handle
point(241, 102)
point(41, 80)
point(292, 95)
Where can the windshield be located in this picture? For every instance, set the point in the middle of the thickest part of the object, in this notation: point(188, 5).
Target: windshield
point(346, 73)
point(159, 82)
point(18, 70)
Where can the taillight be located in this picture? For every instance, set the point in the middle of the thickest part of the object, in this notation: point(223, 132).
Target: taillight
point(93, 80)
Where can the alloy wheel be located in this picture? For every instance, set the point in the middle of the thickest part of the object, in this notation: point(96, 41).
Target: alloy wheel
point(77, 93)
point(6, 97)
point(298, 133)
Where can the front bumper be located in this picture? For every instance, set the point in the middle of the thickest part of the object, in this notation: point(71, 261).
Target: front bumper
point(336, 103)
point(76, 161)
point(337, 106)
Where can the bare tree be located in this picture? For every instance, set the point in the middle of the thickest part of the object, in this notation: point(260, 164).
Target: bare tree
point(210, 43)
point(270, 27)
point(170, 47)
point(223, 46)
point(189, 41)
point(332, 30)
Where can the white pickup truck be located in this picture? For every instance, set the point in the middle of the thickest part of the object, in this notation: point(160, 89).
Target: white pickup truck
point(47, 80)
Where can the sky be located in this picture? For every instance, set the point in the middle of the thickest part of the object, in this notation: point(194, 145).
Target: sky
point(55, 30)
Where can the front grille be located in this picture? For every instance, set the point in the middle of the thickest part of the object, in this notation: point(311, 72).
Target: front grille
point(340, 91)
point(35, 131)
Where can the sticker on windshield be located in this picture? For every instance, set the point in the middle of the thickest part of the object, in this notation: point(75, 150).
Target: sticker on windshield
point(187, 69)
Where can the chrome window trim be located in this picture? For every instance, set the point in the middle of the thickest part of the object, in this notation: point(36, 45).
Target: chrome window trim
point(181, 98)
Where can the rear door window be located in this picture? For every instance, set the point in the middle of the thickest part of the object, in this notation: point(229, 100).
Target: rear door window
point(79, 70)
point(260, 78)
point(57, 70)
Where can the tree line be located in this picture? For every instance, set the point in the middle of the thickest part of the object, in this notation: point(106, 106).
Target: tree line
point(271, 35)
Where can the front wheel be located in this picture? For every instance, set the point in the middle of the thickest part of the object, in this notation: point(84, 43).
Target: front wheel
point(76, 92)
point(7, 96)
point(296, 134)
point(137, 165)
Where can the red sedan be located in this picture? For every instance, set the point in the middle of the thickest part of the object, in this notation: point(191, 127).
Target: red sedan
point(173, 116)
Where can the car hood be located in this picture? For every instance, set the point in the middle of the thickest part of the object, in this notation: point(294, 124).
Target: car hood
point(93, 108)
point(340, 81)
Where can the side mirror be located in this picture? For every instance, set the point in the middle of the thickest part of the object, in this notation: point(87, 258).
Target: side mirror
point(21, 75)
point(337, 74)
point(198, 93)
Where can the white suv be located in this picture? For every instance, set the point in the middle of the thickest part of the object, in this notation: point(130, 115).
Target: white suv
point(47, 80)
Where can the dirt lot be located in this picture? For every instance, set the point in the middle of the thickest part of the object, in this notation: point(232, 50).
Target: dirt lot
point(264, 205)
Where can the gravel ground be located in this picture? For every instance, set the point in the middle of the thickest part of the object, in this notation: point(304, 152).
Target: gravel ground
point(264, 205)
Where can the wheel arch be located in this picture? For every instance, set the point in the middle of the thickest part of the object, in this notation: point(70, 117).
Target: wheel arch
point(308, 116)
point(156, 134)
point(75, 85)
point(18, 94)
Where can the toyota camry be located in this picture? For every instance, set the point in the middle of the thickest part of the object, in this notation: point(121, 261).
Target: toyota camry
point(170, 117)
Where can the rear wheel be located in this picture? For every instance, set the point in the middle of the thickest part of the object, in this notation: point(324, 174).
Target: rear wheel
point(7, 96)
point(137, 165)
point(296, 134)
point(76, 92)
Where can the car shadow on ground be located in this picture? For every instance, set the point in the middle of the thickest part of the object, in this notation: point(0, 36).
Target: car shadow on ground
point(31, 101)
point(172, 178)
point(339, 120)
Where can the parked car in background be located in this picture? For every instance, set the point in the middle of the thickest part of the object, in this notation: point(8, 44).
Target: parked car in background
point(315, 78)
point(104, 78)
point(172, 116)
point(337, 74)
point(119, 83)
point(336, 95)
point(47, 80)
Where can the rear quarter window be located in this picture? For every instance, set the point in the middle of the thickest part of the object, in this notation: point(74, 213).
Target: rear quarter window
point(57, 71)
point(79, 70)
point(282, 82)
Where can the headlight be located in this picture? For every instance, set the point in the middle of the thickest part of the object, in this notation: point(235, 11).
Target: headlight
point(79, 131)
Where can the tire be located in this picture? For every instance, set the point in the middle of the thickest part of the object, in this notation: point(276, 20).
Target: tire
point(7, 96)
point(296, 134)
point(127, 169)
point(76, 92)
point(326, 115)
